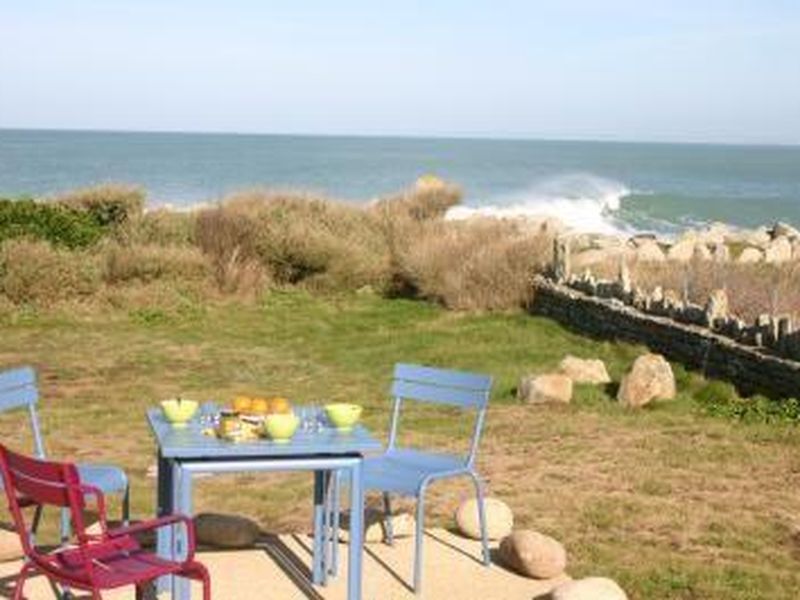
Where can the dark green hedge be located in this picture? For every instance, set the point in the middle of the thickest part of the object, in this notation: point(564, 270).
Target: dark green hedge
point(60, 225)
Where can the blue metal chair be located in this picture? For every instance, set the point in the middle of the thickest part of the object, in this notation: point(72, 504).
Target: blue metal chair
point(18, 390)
point(408, 471)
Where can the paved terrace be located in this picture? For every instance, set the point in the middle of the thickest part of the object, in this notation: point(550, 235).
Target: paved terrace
point(279, 570)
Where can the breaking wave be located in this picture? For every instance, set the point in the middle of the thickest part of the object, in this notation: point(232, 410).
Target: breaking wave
point(583, 202)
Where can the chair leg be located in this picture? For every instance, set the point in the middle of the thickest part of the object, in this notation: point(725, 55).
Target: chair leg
point(476, 480)
point(387, 518)
point(21, 578)
point(335, 508)
point(126, 506)
point(420, 532)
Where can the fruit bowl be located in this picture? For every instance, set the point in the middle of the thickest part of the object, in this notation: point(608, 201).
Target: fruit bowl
point(281, 427)
point(179, 411)
point(343, 415)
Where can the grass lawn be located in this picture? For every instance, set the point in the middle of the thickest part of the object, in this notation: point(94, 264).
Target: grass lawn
point(670, 501)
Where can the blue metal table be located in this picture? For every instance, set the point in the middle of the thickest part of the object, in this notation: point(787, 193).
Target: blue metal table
point(186, 451)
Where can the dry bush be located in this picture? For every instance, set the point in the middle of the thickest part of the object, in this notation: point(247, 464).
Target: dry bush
point(428, 200)
point(165, 226)
point(145, 263)
point(297, 239)
point(482, 264)
point(33, 272)
point(753, 289)
point(112, 205)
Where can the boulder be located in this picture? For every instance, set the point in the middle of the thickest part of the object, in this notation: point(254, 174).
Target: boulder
point(784, 230)
point(499, 519)
point(545, 388)
point(375, 526)
point(779, 250)
point(650, 378)
point(750, 255)
point(533, 554)
point(649, 251)
point(10, 547)
point(682, 251)
point(591, 588)
point(585, 370)
point(226, 531)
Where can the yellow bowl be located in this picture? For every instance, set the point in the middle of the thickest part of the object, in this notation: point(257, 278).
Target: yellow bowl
point(179, 411)
point(343, 415)
point(281, 427)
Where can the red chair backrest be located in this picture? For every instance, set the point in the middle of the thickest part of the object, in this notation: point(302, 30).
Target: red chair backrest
point(30, 481)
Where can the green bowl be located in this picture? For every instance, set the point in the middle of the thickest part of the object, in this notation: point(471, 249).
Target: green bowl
point(179, 411)
point(343, 415)
point(281, 427)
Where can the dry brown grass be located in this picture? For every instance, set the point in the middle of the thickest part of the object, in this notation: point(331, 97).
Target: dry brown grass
point(34, 273)
point(752, 289)
point(145, 263)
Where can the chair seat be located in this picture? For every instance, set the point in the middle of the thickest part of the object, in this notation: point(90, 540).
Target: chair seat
point(108, 478)
point(114, 567)
point(402, 471)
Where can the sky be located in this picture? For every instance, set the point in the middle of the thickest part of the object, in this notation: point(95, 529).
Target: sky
point(645, 70)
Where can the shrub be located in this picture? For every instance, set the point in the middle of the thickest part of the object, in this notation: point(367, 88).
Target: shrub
point(59, 225)
point(34, 272)
point(146, 263)
point(112, 206)
point(165, 226)
point(482, 264)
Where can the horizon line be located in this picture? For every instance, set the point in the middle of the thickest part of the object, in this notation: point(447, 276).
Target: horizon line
point(407, 136)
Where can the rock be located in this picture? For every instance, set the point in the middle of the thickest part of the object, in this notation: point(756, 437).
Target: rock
point(682, 251)
point(701, 252)
point(717, 307)
point(650, 378)
point(779, 250)
point(649, 251)
point(545, 388)
point(784, 230)
point(533, 554)
point(750, 256)
point(584, 370)
point(499, 519)
point(591, 588)
point(375, 529)
point(10, 547)
point(593, 256)
point(226, 531)
point(720, 252)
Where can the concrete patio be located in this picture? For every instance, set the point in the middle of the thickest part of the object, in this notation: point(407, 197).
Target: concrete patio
point(279, 569)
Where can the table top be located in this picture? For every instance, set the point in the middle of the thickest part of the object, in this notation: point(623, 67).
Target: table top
point(189, 442)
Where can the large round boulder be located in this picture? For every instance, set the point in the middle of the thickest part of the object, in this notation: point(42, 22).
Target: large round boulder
point(591, 588)
point(533, 554)
point(585, 370)
point(650, 378)
point(499, 519)
point(543, 389)
point(226, 531)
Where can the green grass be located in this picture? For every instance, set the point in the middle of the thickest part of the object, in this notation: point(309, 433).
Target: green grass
point(677, 501)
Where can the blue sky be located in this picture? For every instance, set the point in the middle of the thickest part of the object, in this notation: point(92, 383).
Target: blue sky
point(718, 71)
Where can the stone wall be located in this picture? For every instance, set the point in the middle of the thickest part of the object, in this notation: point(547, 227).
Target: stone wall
point(751, 368)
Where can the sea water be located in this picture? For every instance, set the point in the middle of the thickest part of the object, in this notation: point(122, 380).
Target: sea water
point(593, 186)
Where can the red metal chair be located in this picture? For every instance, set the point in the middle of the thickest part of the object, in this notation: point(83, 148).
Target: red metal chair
point(110, 559)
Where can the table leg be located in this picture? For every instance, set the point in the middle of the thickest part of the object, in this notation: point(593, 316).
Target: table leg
point(333, 567)
point(356, 532)
point(319, 510)
point(182, 501)
point(163, 508)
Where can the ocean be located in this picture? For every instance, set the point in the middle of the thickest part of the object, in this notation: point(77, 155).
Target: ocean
point(592, 186)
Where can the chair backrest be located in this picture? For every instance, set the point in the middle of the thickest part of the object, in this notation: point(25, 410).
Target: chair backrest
point(34, 482)
point(18, 390)
point(469, 391)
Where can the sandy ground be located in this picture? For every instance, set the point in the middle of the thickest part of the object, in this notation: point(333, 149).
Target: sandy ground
point(279, 570)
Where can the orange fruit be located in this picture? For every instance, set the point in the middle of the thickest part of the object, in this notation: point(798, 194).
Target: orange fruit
point(259, 406)
point(242, 404)
point(280, 406)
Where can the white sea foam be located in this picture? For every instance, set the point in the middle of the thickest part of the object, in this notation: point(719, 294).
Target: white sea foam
point(584, 202)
